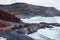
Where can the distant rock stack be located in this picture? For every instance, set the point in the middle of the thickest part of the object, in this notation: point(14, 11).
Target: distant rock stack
point(5, 15)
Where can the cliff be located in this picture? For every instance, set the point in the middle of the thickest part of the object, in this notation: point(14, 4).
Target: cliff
point(7, 16)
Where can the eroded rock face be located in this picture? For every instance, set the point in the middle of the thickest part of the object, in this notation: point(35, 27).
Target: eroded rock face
point(5, 15)
point(3, 23)
point(4, 26)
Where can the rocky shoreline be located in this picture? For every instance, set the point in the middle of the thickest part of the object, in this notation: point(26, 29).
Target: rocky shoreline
point(6, 18)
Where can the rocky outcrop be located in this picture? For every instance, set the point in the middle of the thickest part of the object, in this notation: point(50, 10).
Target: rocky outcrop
point(31, 28)
point(27, 28)
point(31, 10)
point(53, 24)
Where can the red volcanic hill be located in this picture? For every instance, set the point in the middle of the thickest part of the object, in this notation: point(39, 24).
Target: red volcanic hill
point(5, 15)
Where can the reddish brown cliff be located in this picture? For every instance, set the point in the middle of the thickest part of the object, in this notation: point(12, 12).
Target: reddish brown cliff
point(4, 26)
point(5, 15)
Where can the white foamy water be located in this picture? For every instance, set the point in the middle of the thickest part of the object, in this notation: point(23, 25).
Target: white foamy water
point(48, 33)
point(39, 19)
point(58, 19)
point(1, 38)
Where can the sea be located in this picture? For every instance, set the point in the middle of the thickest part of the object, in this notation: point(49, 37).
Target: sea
point(47, 33)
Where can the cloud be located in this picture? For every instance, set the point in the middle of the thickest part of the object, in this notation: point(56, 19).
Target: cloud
point(7, 1)
point(39, 2)
point(49, 3)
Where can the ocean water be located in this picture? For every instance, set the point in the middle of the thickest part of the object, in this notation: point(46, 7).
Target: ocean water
point(38, 19)
point(45, 34)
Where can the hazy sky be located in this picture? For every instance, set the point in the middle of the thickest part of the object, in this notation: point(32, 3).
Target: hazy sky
point(54, 3)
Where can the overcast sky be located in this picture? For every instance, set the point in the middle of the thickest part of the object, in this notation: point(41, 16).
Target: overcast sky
point(53, 3)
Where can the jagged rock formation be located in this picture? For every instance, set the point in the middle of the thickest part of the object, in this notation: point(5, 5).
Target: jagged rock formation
point(7, 16)
point(28, 9)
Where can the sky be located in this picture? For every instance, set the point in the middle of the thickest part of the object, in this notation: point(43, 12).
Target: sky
point(48, 3)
